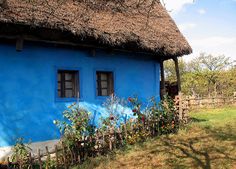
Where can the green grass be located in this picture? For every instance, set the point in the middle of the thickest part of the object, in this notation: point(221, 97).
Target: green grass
point(208, 142)
point(215, 117)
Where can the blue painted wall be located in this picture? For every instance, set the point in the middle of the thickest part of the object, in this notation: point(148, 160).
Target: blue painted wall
point(28, 98)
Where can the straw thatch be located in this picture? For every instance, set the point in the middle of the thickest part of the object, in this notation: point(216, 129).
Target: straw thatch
point(146, 26)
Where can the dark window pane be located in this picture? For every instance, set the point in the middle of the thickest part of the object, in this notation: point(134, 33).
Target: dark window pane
point(104, 83)
point(103, 76)
point(68, 84)
point(68, 93)
point(58, 77)
point(68, 76)
point(104, 92)
point(58, 86)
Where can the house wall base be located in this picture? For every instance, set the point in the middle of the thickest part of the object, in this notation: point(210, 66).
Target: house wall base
point(6, 152)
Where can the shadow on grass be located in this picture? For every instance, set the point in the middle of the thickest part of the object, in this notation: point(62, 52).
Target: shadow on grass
point(205, 151)
point(222, 133)
point(197, 120)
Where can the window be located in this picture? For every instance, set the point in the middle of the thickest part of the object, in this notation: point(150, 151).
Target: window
point(105, 85)
point(67, 82)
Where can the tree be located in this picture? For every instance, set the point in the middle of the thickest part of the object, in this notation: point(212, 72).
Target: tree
point(169, 68)
point(209, 67)
point(227, 82)
point(205, 75)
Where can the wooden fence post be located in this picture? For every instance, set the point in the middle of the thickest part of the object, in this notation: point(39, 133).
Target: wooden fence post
point(56, 153)
point(78, 152)
point(110, 139)
point(18, 161)
point(125, 130)
point(48, 154)
point(234, 98)
point(98, 143)
point(30, 161)
point(180, 107)
point(120, 136)
point(114, 139)
point(39, 159)
point(103, 140)
point(8, 163)
point(213, 102)
point(71, 155)
point(153, 129)
point(64, 156)
point(188, 102)
point(84, 149)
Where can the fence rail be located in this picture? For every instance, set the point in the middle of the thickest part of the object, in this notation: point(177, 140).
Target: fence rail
point(208, 102)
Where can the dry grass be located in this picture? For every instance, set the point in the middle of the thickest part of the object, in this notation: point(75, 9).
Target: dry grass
point(208, 143)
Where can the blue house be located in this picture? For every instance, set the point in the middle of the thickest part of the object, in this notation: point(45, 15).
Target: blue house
point(56, 53)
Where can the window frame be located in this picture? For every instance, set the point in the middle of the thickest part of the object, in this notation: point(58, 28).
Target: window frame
point(79, 84)
point(113, 83)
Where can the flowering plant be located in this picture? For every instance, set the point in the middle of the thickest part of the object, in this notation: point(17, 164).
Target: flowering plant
point(115, 108)
point(76, 125)
point(136, 109)
point(164, 113)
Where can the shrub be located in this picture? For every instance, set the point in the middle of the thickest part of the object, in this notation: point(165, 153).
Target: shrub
point(20, 151)
point(165, 115)
point(76, 125)
point(115, 108)
point(162, 115)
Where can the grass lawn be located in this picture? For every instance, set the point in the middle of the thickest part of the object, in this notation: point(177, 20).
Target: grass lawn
point(209, 142)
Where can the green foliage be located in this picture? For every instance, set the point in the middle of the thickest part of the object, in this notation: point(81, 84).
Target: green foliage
point(226, 84)
point(169, 68)
point(137, 132)
point(115, 107)
point(20, 151)
point(165, 113)
point(208, 68)
point(163, 117)
point(136, 135)
point(206, 75)
point(136, 108)
point(49, 164)
point(76, 125)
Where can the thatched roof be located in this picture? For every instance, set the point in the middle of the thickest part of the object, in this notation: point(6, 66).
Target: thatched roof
point(147, 26)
